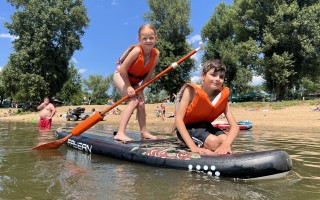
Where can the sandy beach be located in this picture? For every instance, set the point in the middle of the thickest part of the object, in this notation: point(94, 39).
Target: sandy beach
point(294, 118)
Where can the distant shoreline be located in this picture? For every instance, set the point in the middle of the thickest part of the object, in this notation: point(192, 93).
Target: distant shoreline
point(292, 118)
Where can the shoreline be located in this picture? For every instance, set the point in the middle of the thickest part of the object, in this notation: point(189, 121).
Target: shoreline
point(293, 118)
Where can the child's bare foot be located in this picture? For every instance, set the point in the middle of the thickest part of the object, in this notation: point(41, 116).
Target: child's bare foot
point(122, 137)
point(147, 135)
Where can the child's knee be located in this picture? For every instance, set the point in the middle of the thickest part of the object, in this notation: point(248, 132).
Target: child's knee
point(213, 142)
point(133, 103)
point(222, 137)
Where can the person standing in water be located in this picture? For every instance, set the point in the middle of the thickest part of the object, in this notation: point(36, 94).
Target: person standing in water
point(47, 111)
point(137, 68)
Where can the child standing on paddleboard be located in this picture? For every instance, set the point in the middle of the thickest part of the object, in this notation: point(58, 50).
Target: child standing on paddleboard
point(199, 105)
point(136, 68)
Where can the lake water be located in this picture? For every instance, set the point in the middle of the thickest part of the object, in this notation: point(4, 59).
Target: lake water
point(70, 174)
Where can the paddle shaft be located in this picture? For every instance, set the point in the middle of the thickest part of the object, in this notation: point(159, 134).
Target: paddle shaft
point(152, 80)
point(95, 118)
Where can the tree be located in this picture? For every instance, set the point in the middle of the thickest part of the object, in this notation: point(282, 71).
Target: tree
point(48, 34)
point(2, 91)
point(71, 91)
point(223, 43)
point(240, 83)
point(277, 39)
point(171, 19)
point(97, 88)
point(22, 86)
point(309, 87)
point(151, 97)
point(290, 45)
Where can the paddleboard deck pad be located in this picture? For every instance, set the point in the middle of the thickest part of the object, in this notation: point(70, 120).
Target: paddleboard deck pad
point(170, 153)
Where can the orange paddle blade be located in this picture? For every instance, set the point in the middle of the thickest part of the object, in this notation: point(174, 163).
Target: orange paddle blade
point(52, 145)
point(77, 130)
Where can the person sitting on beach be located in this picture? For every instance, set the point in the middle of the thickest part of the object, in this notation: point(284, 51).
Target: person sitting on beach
point(197, 106)
point(116, 111)
point(137, 68)
point(171, 115)
point(7, 114)
point(47, 111)
point(317, 108)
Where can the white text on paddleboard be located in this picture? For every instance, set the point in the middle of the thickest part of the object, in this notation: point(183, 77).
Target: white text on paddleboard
point(79, 145)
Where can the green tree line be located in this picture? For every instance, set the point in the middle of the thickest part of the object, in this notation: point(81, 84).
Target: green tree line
point(276, 39)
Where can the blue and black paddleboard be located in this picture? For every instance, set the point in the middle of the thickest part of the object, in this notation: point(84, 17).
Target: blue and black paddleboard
point(170, 154)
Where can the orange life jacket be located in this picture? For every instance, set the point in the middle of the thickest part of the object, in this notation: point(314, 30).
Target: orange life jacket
point(201, 109)
point(137, 71)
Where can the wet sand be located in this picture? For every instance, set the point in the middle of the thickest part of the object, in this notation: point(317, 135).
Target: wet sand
point(294, 118)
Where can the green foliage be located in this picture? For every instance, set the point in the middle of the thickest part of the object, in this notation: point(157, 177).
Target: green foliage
point(71, 92)
point(97, 88)
point(2, 90)
point(19, 82)
point(150, 96)
point(240, 83)
point(171, 19)
point(309, 87)
point(48, 33)
point(279, 71)
point(219, 36)
point(279, 40)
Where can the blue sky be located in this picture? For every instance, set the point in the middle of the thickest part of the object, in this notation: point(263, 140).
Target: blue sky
point(113, 27)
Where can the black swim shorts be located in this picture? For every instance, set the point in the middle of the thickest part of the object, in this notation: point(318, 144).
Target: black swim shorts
point(200, 131)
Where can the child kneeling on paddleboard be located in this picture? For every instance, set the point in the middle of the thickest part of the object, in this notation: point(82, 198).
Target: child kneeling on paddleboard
point(199, 105)
point(136, 66)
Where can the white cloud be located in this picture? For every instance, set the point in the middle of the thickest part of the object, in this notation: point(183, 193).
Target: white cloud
point(197, 57)
point(194, 39)
point(7, 35)
point(256, 80)
point(1, 68)
point(74, 60)
point(81, 71)
point(196, 79)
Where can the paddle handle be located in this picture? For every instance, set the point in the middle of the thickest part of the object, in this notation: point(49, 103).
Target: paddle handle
point(172, 66)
